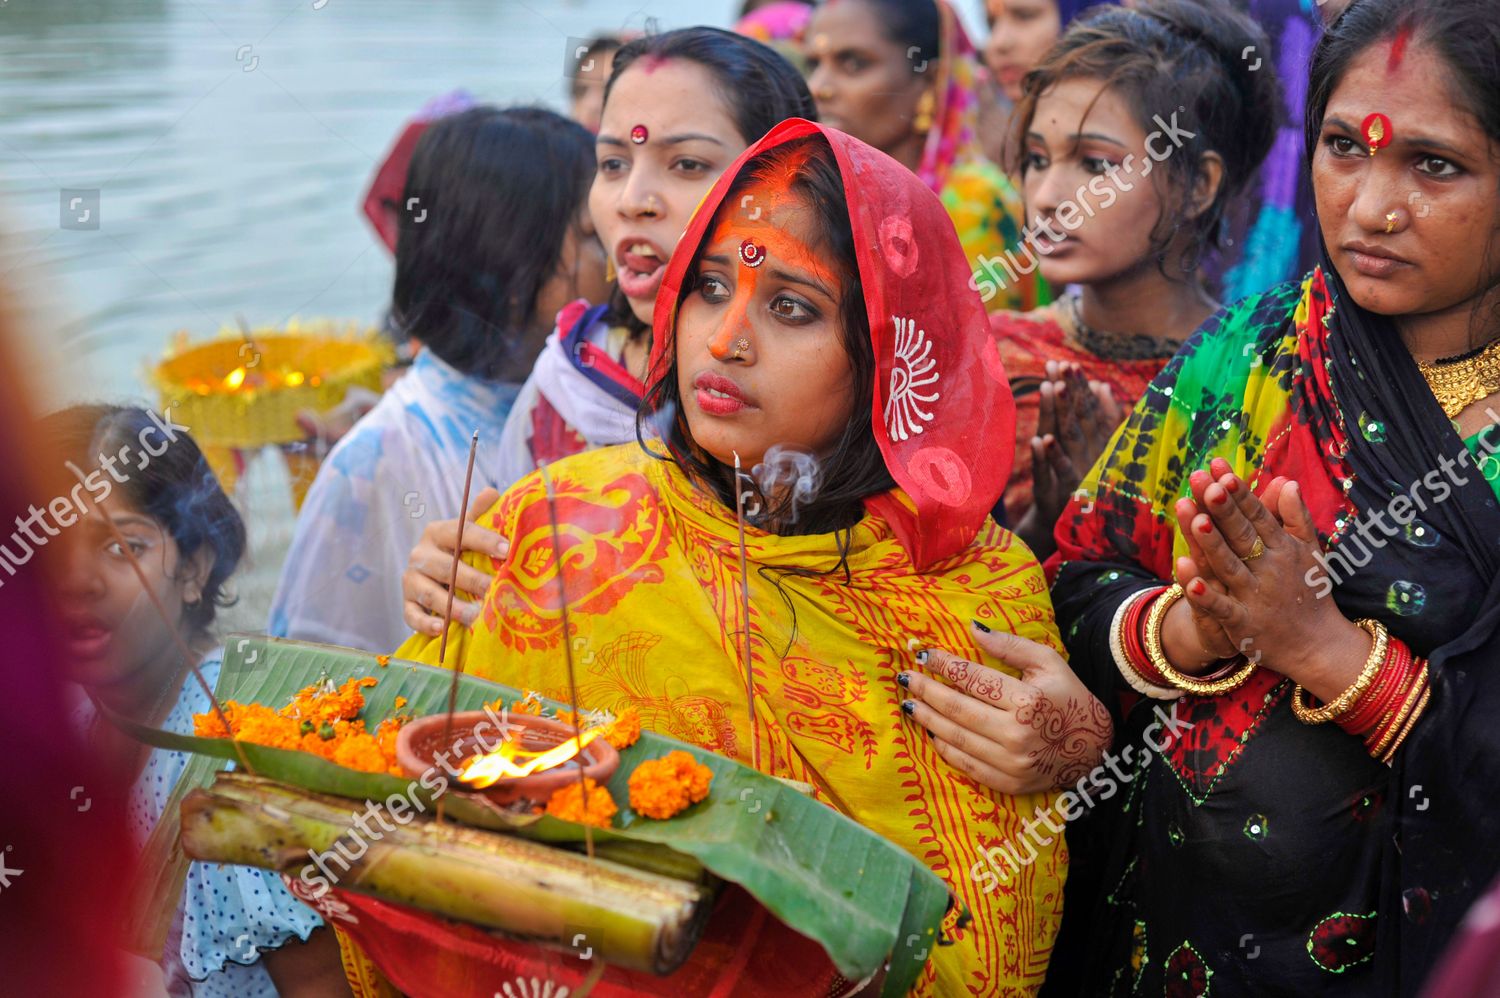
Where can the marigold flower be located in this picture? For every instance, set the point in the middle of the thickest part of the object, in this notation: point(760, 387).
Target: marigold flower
point(361, 751)
point(660, 788)
point(321, 720)
point(625, 730)
point(382, 660)
point(568, 804)
point(531, 704)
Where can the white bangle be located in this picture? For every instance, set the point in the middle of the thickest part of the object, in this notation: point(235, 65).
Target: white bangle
point(1122, 661)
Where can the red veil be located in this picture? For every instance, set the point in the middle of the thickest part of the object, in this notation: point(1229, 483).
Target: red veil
point(943, 413)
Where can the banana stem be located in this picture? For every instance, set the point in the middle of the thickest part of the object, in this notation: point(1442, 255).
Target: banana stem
point(630, 917)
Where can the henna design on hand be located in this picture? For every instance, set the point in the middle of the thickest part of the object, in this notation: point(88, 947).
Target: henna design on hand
point(1074, 735)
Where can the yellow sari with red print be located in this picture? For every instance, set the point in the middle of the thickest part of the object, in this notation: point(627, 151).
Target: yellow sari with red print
point(654, 601)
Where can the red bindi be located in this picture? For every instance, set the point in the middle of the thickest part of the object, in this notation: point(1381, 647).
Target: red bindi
point(752, 253)
point(639, 134)
point(1376, 131)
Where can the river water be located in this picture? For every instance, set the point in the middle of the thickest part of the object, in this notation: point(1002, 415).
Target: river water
point(229, 142)
point(220, 149)
point(174, 166)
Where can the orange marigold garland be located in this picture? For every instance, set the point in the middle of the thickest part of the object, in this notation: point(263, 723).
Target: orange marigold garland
point(567, 803)
point(660, 788)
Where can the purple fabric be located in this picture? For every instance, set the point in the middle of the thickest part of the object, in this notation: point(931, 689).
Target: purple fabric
point(1069, 9)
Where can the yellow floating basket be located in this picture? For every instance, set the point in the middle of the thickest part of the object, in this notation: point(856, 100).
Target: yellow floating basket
point(242, 391)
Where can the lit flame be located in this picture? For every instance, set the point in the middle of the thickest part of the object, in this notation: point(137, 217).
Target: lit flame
point(510, 760)
point(235, 378)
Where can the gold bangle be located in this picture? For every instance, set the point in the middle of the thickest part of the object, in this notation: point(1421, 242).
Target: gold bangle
point(1406, 729)
point(1188, 684)
point(1394, 721)
point(1340, 705)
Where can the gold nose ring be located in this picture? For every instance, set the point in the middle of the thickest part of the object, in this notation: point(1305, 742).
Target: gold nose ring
point(740, 346)
point(1390, 223)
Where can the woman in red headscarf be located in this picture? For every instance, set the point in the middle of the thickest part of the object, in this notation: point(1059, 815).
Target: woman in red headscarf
point(815, 328)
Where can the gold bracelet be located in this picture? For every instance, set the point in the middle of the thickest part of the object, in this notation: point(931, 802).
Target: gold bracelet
point(1340, 705)
point(1188, 684)
point(1396, 720)
point(1406, 729)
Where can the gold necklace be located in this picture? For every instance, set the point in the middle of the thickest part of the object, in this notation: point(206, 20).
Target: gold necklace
point(1459, 382)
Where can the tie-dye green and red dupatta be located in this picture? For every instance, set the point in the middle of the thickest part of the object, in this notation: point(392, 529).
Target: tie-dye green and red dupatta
point(1257, 854)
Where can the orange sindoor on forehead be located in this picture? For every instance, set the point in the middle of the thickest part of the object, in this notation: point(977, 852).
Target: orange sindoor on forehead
point(754, 224)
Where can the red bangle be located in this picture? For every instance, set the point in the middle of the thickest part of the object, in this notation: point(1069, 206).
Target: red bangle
point(1397, 673)
point(1404, 674)
point(1133, 633)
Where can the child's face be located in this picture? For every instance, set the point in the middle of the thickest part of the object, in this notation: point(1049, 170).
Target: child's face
point(760, 348)
point(113, 633)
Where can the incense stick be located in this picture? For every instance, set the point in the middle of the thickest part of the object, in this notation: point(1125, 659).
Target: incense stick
point(177, 639)
point(739, 516)
point(562, 601)
point(458, 550)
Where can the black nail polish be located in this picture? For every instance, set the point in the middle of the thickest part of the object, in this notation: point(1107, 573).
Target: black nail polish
point(981, 628)
point(922, 657)
point(908, 707)
point(903, 679)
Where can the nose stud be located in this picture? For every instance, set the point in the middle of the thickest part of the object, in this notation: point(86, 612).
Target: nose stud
point(740, 346)
point(1390, 223)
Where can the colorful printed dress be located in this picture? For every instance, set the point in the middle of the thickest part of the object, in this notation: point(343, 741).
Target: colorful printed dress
point(1258, 854)
point(654, 583)
point(1027, 341)
point(655, 611)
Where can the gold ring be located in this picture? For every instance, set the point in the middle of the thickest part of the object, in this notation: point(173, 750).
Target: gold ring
point(1256, 550)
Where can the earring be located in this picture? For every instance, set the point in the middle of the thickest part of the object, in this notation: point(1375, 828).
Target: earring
point(922, 122)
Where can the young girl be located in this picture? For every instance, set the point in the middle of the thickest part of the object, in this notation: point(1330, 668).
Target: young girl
point(679, 108)
point(1125, 207)
point(903, 76)
point(496, 240)
point(815, 316)
point(149, 489)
